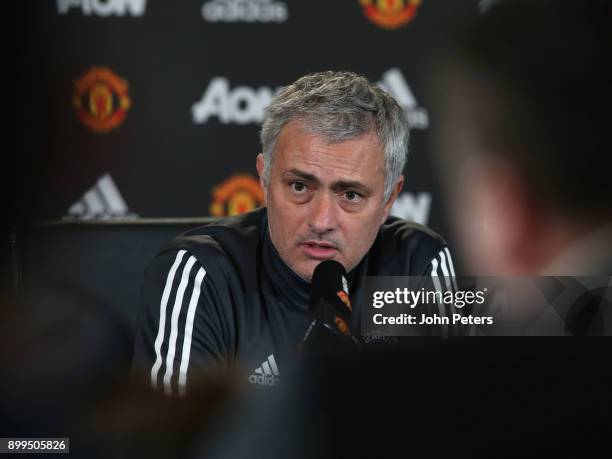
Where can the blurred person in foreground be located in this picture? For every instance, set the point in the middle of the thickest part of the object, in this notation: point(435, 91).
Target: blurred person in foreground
point(237, 291)
point(526, 95)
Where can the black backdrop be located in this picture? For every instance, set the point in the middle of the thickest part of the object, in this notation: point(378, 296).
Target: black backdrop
point(164, 161)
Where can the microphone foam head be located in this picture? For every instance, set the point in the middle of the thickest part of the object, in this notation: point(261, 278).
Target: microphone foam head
point(329, 277)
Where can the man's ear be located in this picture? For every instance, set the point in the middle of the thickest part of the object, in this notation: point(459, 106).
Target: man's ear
point(396, 190)
point(259, 164)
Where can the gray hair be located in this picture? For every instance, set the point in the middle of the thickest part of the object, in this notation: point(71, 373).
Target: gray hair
point(339, 106)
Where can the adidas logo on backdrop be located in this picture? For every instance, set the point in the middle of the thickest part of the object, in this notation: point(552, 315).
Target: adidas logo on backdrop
point(394, 83)
point(245, 11)
point(103, 201)
point(267, 374)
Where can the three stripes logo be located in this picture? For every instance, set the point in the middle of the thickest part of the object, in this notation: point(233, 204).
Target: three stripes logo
point(177, 312)
point(267, 374)
point(102, 201)
point(394, 83)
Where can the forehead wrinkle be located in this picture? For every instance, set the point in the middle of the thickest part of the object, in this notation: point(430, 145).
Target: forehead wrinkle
point(342, 158)
point(350, 159)
point(343, 169)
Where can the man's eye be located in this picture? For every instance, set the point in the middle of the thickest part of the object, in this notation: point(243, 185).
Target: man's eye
point(352, 196)
point(298, 187)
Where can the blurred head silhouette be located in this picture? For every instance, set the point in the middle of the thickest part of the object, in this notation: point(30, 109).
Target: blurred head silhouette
point(525, 95)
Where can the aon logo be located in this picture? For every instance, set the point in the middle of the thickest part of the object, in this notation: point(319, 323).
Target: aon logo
point(241, 105)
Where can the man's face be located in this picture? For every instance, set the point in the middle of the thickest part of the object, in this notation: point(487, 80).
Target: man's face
point(325, 201)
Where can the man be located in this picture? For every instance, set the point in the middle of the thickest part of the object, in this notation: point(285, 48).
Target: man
point(527, 103)
point(334, 147)
point(526, 147)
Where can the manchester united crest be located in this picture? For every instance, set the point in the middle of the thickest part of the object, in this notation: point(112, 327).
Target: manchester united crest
point(237, 195)
point(101, 99)
point(390, 14)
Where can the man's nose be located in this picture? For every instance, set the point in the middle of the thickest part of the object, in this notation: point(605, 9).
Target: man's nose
point(323, 217)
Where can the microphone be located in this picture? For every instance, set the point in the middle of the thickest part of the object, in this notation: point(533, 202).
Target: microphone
point(332, 308)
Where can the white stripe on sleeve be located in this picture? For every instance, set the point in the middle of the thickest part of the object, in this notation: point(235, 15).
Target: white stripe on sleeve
point(162, 317)
point(438, 286)
point(445, 272)
point(176, 310)
point(434, 267)
point(452, 268)
point(189, 330)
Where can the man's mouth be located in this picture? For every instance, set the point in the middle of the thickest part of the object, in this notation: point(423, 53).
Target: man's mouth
point(320, 250)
